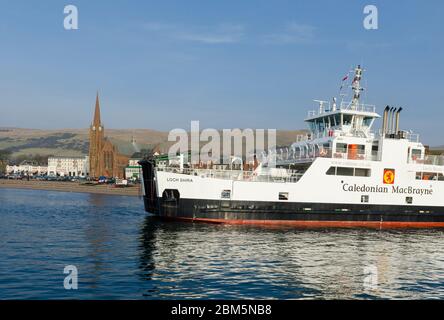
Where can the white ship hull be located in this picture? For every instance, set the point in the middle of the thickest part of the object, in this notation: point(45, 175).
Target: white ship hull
point(314, 200)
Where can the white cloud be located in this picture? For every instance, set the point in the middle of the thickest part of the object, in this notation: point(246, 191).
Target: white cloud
point(221, 34)
point(293, 33)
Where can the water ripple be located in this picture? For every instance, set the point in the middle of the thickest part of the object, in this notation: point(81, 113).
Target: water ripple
point(121, 253)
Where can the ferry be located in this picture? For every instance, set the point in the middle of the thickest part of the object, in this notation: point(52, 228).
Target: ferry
point(341, 174)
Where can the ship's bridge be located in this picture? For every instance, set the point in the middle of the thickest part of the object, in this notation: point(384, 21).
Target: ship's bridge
point(346, 119)
point(340, 131)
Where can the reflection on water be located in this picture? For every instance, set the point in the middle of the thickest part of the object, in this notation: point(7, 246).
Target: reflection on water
point(122, 253)
point(96, 234)
point(214, 261)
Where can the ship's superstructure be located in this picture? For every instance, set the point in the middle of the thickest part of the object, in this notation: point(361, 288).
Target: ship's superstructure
point(342, 173)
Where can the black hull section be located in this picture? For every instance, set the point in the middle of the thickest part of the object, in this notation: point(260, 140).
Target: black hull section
point(149, 185)
point(281, 211)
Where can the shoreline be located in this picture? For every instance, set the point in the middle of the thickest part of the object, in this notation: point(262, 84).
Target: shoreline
point(59, 186)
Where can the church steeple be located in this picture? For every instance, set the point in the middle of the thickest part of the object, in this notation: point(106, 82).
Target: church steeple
point(97, 123)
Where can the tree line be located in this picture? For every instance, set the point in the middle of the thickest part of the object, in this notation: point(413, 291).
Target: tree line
point(6, 158)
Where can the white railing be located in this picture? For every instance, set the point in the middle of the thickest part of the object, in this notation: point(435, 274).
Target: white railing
point(413, 137)
point(282, 175)
point(309, 153)
point(326, 107)
point(434, 160)
point(402, 134)
point(358, 107)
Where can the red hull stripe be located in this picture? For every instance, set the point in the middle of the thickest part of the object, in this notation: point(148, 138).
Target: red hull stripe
point(318, 224)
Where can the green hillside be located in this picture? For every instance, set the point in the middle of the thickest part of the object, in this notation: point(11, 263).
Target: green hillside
point(73, 142)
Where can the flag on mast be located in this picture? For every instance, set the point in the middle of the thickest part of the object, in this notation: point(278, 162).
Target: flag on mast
point(342, 84)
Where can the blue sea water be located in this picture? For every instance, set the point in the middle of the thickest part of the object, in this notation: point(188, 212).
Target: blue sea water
point(122, 253)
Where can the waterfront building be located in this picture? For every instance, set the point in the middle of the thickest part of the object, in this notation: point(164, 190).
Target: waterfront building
point(104, 157)
point(27, 167)
point(68, 166)
point(133, 170)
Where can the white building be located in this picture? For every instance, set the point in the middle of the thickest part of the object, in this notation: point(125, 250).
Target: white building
point(27, 168)
point(68, 166)
point(133, 170)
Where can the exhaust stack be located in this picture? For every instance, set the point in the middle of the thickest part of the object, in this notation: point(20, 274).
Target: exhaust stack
point(390, 121)
point(393, 121)
point(384, 120)
point(397, 121)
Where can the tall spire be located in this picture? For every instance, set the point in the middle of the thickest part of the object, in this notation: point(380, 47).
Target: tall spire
point(97, 121)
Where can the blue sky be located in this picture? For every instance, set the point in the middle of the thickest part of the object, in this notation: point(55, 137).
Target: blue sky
point(257, 64)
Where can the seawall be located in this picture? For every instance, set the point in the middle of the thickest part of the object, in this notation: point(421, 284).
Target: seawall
point(70, 187)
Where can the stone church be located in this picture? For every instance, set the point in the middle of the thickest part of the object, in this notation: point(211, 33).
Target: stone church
point(104, 157)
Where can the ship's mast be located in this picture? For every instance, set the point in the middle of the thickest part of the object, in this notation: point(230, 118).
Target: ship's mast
point(356, 87)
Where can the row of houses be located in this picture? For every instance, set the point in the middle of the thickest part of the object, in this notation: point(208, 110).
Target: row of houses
point(67, 167)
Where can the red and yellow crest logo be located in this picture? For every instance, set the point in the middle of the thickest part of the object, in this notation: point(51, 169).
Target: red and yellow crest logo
point(389, 176)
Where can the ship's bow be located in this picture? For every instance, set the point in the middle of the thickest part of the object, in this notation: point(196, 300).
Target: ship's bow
point(150, 198)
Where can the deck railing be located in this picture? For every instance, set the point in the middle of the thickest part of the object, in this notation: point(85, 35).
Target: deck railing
point(309, 154)
point(435, 160)
point(278, 175)
point(344, 105)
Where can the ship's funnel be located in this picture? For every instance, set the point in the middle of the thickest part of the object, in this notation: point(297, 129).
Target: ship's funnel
point(384, 120)
point(389, 120)
point(397, 120)
point(393, 121)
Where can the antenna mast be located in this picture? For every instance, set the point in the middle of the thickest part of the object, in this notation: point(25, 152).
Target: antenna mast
point(356, 87)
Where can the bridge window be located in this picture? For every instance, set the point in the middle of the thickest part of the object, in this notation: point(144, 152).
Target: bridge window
point(367, 121)
point(416, 154)
point(429, 176)
point(337, 120)
point(361, 172)
point(356, 151)
point(361, 149)
point(345, 171)
point(341, 147)
point(375, 149)
point(331, 171)
point(347, 119)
